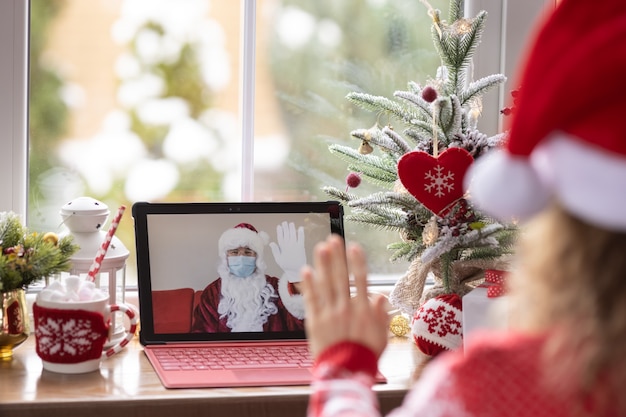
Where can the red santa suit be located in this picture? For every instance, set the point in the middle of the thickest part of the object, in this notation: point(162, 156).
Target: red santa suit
point(207, 318)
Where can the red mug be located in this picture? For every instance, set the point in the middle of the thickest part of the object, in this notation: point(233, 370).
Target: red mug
point(70, 336)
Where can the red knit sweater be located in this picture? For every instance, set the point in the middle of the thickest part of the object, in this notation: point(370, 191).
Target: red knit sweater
point(495, 376)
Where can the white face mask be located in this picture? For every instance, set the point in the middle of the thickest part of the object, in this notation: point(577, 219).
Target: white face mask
point(242, 266)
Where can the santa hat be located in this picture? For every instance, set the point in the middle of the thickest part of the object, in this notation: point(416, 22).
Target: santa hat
point(243, 235)
point(566, 140)
point(437, 325)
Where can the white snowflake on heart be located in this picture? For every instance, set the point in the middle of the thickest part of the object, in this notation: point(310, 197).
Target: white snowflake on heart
point(72, 337)
point(439, 182)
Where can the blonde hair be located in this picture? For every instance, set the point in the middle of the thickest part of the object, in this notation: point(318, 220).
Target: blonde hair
point(571, 282)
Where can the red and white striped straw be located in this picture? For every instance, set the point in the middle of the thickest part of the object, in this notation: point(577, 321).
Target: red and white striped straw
point(102, 251)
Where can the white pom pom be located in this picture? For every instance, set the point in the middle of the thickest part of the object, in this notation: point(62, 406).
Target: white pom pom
point(506, 187)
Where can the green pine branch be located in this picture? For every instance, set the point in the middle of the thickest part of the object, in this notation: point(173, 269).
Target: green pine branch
point(403, 201)
point(478, 88)
point(377, 220)
point(336, 194)
point(456, 47)
point(450, 117)
point(26, 257)
point(382, 105)
point(377, 169)
point(456, 10)
point(392, 144)
point(415, 99)
point(398, 140)
point(405, 250)
point(11, 229)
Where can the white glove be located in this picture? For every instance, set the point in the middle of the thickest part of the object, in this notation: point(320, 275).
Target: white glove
point(289, 253)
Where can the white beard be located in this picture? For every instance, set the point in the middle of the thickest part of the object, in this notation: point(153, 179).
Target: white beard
point(246, 302)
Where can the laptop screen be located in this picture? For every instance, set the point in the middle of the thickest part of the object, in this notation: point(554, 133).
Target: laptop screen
point(226, 271)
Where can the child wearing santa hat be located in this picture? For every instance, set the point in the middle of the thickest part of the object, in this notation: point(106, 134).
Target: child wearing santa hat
point(562, 175)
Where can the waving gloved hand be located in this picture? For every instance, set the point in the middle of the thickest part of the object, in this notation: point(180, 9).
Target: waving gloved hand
point(289, 252)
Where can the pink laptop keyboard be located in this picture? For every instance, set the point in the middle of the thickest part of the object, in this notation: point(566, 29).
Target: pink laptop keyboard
point(244, 357)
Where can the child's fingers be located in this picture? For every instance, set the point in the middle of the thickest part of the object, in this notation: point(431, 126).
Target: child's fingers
point(357, 263)
point(309, 295)
point(340, 279)
point(381, 308)
point(323, 272)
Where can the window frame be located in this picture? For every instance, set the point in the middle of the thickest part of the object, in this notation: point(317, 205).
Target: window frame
point(510, 25)
point(14, 26)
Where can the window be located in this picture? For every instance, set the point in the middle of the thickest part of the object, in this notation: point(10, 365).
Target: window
point(147, 102)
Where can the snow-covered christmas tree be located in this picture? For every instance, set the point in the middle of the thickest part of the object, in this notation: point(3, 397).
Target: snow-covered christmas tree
point(419, 163)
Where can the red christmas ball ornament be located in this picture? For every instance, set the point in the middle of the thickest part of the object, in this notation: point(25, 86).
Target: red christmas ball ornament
point(429, 94)
point(437, 325)
point(353, 180)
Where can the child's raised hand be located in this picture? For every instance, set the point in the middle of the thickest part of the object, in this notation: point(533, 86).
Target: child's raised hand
point(332, 315)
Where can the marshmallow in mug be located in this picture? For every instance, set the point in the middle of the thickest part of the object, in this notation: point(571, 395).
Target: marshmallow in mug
point(73, 289)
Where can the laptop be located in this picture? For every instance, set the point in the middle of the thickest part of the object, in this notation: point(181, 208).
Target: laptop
point(187, 337)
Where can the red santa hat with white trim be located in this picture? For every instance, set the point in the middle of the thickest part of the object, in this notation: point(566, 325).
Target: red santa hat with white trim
point(243, 235)
point(567, 137)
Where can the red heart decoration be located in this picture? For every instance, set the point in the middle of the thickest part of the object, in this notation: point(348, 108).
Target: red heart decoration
point(436, 182)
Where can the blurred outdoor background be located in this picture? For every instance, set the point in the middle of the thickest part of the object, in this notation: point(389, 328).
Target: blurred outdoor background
point(138, 100)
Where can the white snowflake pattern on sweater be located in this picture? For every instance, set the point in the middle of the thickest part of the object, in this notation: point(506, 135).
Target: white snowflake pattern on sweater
point(66, 337)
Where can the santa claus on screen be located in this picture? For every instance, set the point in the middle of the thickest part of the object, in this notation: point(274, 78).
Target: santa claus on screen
point(244, 298)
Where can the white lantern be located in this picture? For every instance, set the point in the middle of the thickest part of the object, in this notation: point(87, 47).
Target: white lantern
point(85, 218)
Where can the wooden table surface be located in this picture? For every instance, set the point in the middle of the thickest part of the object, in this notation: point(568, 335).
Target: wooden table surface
point(126, 385)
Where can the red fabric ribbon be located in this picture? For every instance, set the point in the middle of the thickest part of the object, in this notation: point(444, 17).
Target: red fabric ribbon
point(494, 282)
point(15, 321)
